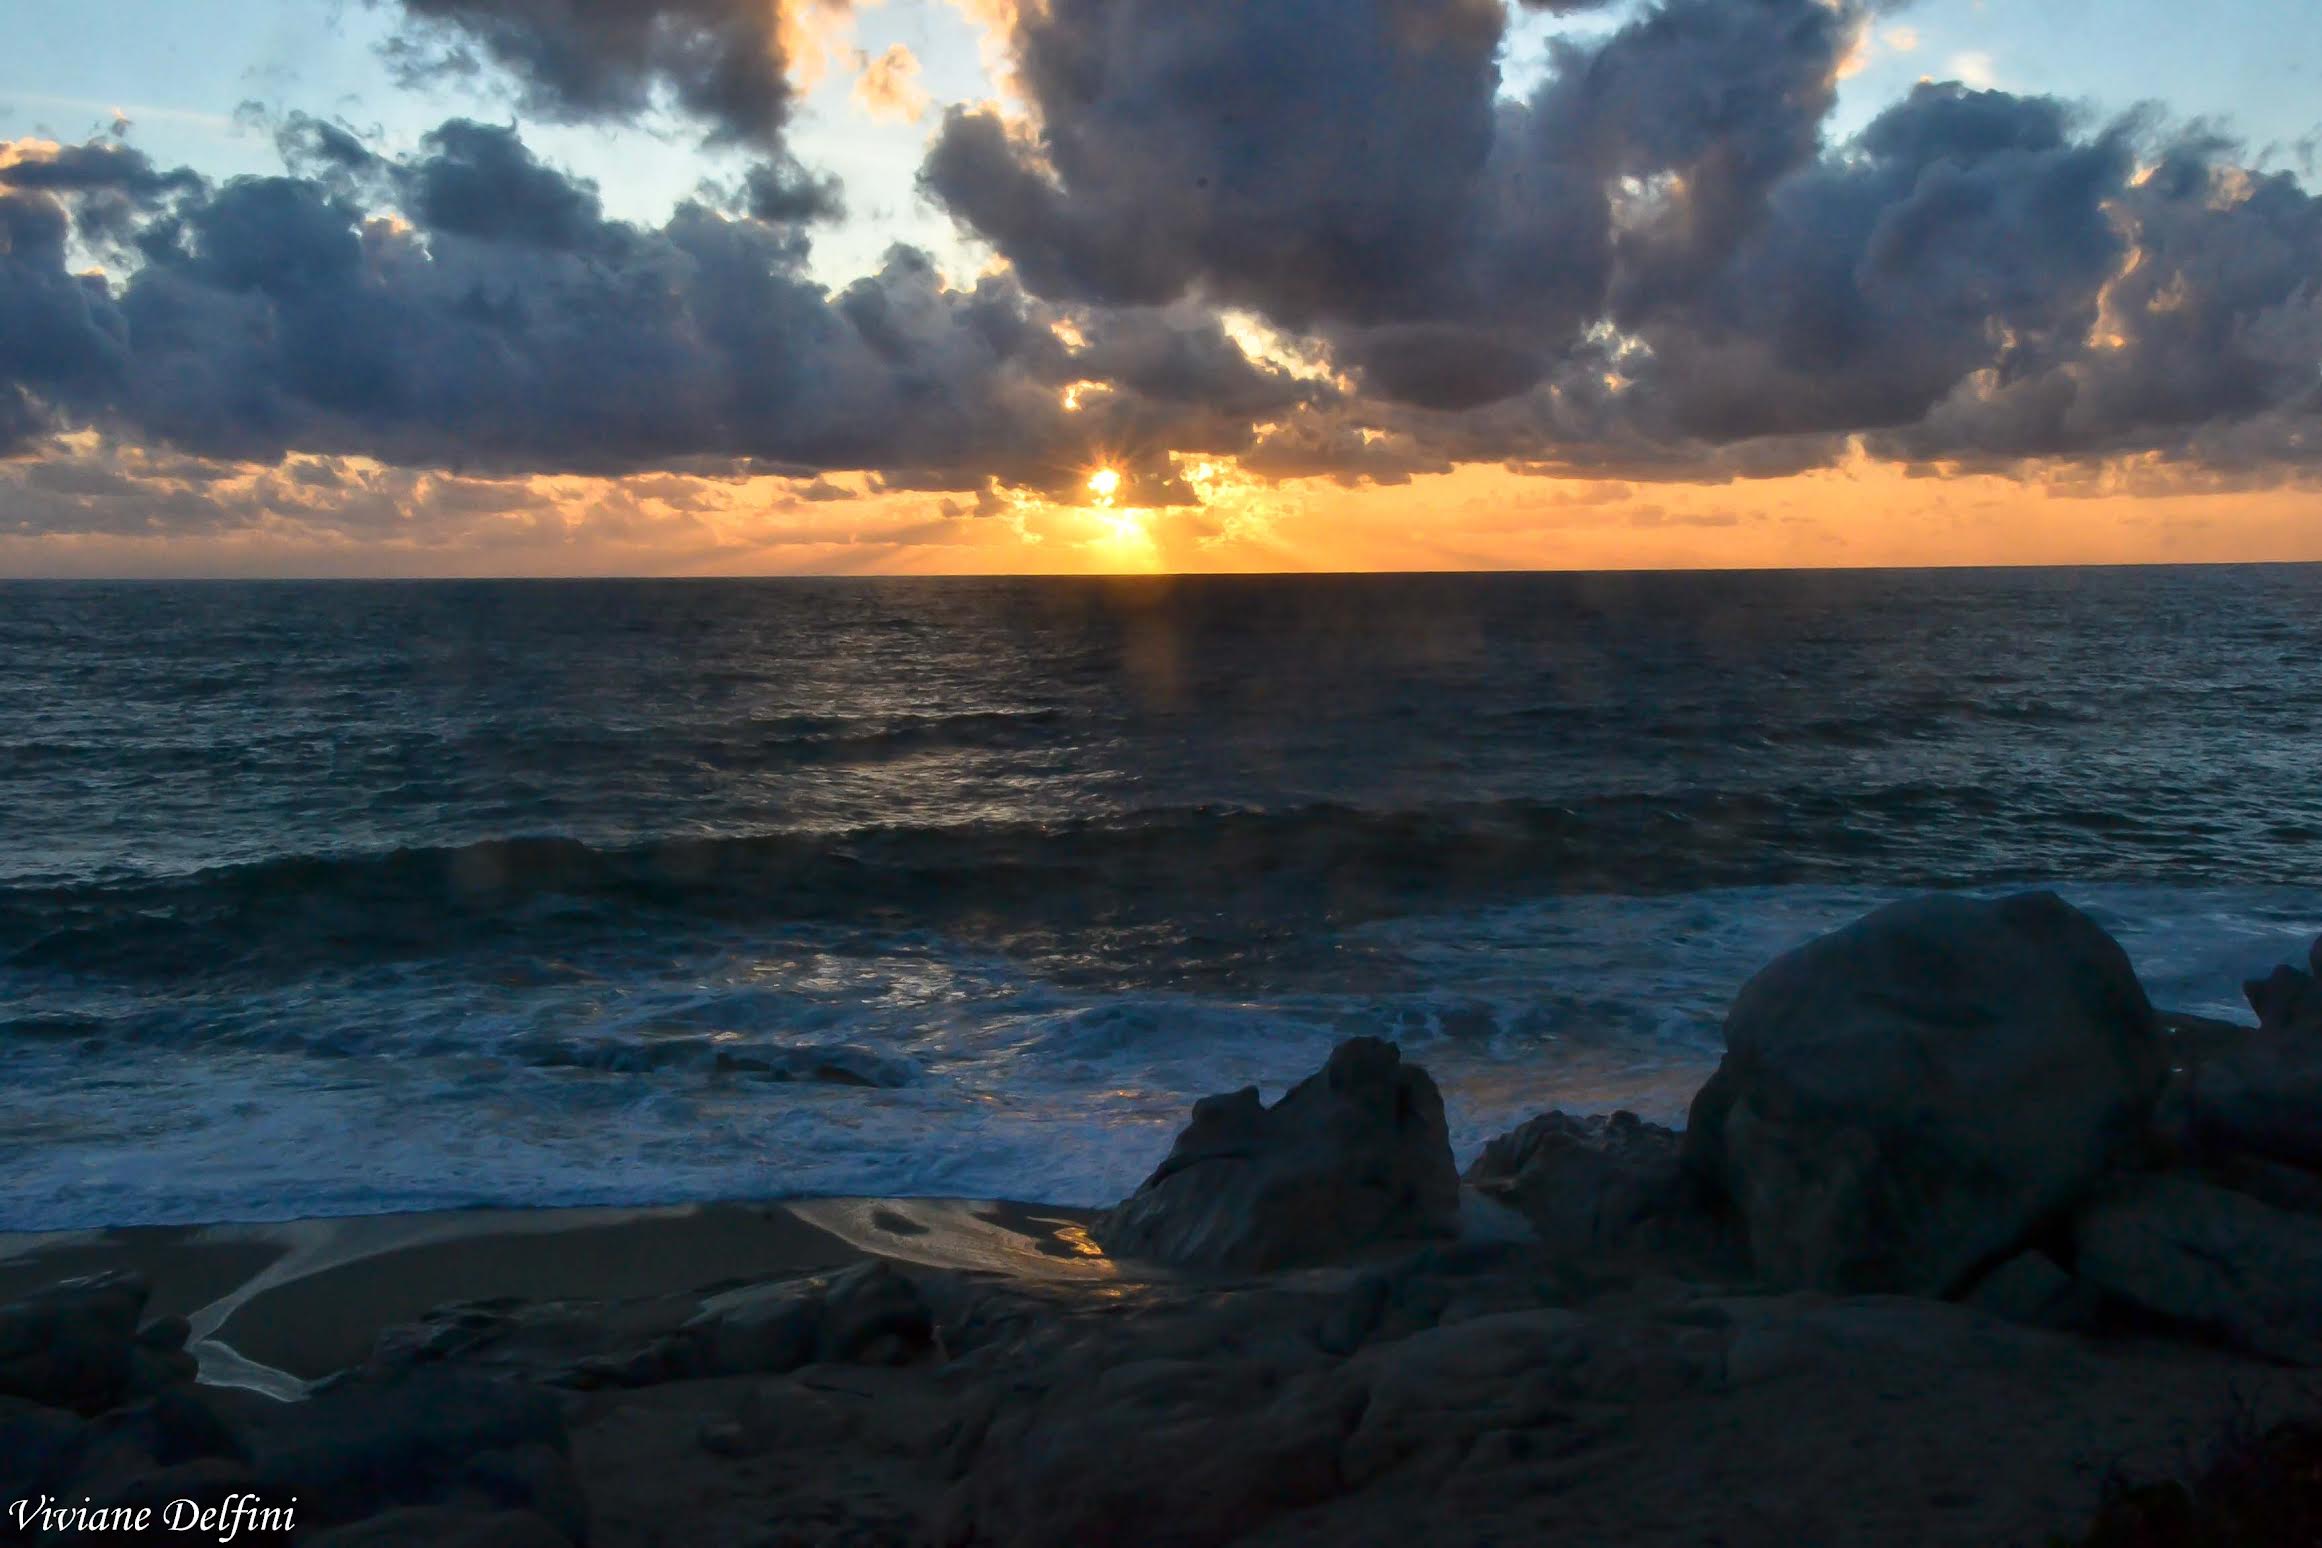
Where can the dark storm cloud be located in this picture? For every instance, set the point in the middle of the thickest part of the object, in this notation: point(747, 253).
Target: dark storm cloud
point(785, 192)
point(59, 331)
point(479, 181)
point(1653, 264)
point(718, 61)
point(98, 165)
point(1307, 156)
point(1967, 232)
point(503, 323)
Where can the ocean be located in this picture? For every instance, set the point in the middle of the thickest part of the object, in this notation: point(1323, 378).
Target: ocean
point(344, 897)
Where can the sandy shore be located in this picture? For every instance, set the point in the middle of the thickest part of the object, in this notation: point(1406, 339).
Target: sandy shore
point(277, 1304)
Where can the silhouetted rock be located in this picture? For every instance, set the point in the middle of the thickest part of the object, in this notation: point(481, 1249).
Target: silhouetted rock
point(1351, 1157)
point(2210, 1258)
point(176, 1427)
point(2032, 1289)
point(1905, 1100)
point(2289, 1001)
point(870, 1314)
point(1589, 1185)
point(432, 1436)
point(1161, 1452)
point(40, 1448)
point(2263, 1098)
point(74, 1345)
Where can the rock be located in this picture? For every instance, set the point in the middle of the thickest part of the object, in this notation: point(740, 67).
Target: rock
point(414, 1438)
point(1437, 1390)
point(1355, 1315)
point(1162, 1453)
point(166, 1335)
point(873, 1314)
point(73, 1345)
point(2269, 1182)
point(2263, 1099)
point(176, 1426)
point(762, 1330)
point(2213, 1259)
point(1908, 1099)
point(1352, 1157)
point(2288, 1001)
point(40, 1449)
point(440, 1527)
point(2195, 1038)
point(870, 1314)
point(533, 1478)
point(1586, 1184)
point(2032, 1290)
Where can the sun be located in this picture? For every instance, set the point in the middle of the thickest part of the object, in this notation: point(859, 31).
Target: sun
point(1104, 483)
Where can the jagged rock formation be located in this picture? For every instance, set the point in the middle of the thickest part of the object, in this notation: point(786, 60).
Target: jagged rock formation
point(1355, 1156)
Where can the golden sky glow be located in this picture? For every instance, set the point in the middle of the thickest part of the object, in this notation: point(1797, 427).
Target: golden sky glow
point(380, 520)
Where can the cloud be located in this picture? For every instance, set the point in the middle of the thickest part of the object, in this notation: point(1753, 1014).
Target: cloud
point(472, 308)
point(718, 61)
point(1653, 265)
point(1313, 237)
point(1346, 169)
point(888, 86)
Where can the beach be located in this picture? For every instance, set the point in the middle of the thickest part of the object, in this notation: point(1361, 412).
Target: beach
point(1872, 1423)
point(568, 1105)
point(1977, 1313)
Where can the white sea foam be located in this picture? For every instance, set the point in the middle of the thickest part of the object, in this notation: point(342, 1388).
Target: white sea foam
point(422, 1094)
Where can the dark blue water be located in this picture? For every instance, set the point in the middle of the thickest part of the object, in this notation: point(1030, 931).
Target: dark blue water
point(342, 897)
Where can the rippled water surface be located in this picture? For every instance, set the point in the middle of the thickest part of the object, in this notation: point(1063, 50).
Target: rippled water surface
point(344, 897)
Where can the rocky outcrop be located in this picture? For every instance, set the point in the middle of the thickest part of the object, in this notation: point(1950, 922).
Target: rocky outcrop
point(430, 1437)
point(870, 1314)
point(1951, 1098)
point(99, 1411)
point(1598, 1186)
point(1352, 1157)
point(2212, 1259)
point(2258, 1096)
point(1905, 1101)
point(2288, 1001)
point(2033, 1289)
point(78, 1346)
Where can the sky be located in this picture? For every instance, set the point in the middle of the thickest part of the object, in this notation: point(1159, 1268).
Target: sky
point(430, 287)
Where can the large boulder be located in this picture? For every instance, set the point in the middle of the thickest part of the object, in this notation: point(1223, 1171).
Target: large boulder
point(2212, 1259)
point(1352, 1157)
point(1911, 1098)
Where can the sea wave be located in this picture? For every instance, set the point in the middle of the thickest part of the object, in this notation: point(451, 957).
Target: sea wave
point(1257, 870)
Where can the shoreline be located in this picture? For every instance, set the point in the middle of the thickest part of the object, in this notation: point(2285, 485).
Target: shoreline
point(276, 1305)
point(2076, 1240)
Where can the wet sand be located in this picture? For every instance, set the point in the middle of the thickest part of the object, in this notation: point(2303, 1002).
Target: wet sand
point(275, 1305)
